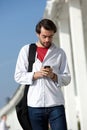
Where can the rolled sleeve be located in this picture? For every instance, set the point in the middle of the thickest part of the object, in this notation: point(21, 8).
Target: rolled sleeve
point(24, 78)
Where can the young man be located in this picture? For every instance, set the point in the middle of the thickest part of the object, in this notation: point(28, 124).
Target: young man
point(49, 73)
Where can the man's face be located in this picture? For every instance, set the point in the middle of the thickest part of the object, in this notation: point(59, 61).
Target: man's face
point(45, 37)
point(4, 117)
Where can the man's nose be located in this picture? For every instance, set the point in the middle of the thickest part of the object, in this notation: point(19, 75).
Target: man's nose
point(47, 39)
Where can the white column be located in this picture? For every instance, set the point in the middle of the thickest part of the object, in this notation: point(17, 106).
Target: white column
point(79, 58)
point(69, 92)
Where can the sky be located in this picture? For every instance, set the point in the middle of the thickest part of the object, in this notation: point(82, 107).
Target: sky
point(18, 19)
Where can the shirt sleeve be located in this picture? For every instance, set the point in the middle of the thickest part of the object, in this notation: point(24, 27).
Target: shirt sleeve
point(64, 76)
point(21, 75)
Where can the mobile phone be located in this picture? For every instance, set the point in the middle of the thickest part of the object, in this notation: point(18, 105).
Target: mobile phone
point(47, 66)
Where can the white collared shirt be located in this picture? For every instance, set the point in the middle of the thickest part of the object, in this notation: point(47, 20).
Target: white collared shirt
point(43, 92)
point(3, 125)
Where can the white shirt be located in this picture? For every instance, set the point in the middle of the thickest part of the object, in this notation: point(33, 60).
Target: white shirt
point(43, 92)
point(3, 125)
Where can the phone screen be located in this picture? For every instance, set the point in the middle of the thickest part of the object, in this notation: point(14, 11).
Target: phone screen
point(47, 66)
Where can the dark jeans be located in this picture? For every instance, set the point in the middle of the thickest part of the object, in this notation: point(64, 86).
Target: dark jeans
point(41, 117)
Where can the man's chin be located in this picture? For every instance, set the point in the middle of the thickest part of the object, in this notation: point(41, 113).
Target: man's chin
point(47, 45)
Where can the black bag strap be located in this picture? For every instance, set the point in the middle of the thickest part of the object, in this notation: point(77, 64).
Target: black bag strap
point(31, 56)
point(31, 60)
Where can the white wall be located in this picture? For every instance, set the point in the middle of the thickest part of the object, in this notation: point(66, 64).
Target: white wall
point(84, 17)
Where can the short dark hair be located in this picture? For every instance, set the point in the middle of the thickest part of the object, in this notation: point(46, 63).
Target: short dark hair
point(47, 24)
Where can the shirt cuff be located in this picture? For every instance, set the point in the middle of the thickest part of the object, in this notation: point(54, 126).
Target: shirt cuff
point(30, 79)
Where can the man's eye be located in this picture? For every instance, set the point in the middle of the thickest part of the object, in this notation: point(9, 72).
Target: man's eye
point(44, 36)
point(50, 36)
point(47, 36)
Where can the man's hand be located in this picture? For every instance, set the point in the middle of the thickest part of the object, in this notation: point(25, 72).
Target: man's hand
point(45, 72)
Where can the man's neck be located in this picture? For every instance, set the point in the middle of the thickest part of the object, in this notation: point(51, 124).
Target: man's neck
point(39, 44)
